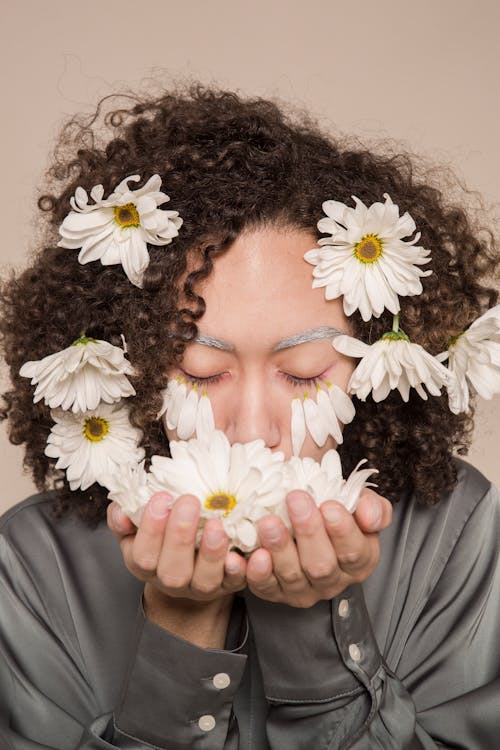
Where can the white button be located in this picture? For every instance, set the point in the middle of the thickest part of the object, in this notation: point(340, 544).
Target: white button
point(221, 680)
point(344, 607)
point(354, 652)
point(206, 722)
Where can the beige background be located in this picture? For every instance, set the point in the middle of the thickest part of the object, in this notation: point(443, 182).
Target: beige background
point(425, 73)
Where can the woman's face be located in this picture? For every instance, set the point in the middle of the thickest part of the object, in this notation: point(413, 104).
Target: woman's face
point(265, 339)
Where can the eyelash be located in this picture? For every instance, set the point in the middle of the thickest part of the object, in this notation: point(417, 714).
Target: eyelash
point(293, 379)
point(304, 382)
point(203, 381)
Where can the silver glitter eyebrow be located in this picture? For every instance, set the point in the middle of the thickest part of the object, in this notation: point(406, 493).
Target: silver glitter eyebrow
point(213, 342)
point(312, 334)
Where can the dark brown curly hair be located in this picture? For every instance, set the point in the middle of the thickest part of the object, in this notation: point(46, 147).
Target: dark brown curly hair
point(229, 164)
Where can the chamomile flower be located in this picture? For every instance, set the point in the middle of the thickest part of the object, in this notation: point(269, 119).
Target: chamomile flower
point(117, 229)
point(392, 362)
point(92, 445)
point(81, 376)
point(366, 260)
point(322, 416)
point(237, 483)
point(128, 486)
point(324, 481)
point(474, 360)
point(185, 410)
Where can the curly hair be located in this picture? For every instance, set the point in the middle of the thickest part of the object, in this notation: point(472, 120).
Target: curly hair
point(230, 164)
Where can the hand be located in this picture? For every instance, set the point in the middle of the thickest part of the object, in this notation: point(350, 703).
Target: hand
point(162, 551)
point(332, 549)
point(187, 592)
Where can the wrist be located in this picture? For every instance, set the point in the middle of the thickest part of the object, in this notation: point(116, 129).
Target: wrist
point(202, 623)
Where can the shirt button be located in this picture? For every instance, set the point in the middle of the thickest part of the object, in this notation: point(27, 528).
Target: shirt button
point(354, 652)
point(344, 607)
point(206, 722)
point(221, 680)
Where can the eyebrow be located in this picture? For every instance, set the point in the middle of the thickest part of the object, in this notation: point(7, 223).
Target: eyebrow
point(311, 334)
point(201, 338)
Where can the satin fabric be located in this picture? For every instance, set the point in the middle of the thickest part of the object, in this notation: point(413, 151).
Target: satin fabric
point(81, 667)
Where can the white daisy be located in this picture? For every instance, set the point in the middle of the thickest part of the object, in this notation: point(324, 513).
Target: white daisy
point(81, 376)
point(392, 362)
point(92, 445)
point(474, 358)
point(365, 259)
point(322, 417)
point(118, 228)
point(237, 483)
point(325, 482)
point(128, 486)
point(185, 411)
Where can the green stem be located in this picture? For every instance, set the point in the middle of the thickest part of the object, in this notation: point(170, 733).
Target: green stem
point(395, 323)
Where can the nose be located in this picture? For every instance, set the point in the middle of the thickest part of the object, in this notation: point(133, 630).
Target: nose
point(253, 415)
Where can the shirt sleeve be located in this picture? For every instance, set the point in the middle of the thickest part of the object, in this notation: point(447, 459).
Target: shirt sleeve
point(202, 683)
point(329, 686)
point(175, 695)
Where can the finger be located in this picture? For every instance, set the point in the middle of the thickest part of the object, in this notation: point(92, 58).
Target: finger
point(144, 554)
point(260, 577)
point(374, 512)
point(235, 569)
point(316, 553)
point(176, 563)
point(357, 553)
point(209, 566)
point(118, 522)
point(286, 565)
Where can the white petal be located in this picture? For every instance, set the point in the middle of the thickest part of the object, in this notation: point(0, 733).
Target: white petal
point(329, 417)
point(205, 424)
point(315, 423)
point(350, 346)
point(342, 404)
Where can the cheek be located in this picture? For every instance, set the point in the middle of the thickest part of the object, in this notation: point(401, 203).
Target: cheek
point(343, 371)
point(311, 449)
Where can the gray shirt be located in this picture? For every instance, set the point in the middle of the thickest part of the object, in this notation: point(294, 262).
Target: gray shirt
point(410, 659)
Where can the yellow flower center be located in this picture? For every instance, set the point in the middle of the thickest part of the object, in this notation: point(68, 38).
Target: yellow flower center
point(368, 249)
point(95, 429)
point(220, 501)
point(127, 216)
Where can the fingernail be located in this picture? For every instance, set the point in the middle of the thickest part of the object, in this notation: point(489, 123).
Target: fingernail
point(261, 564)
point(299, 506)
point(186, 513)
point(159, 505)
point(375, 513)
point(232, 567)
point(271, 531)
point(213, 536)
point(332, 513)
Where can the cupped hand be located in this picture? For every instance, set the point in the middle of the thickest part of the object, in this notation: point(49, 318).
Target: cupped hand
point(161, 551)
point(332, 549)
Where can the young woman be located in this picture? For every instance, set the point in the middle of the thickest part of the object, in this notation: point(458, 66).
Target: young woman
point(297, 629)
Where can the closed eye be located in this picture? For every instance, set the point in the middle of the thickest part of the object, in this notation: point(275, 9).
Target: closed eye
point(210, 379)
point(304, 382)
